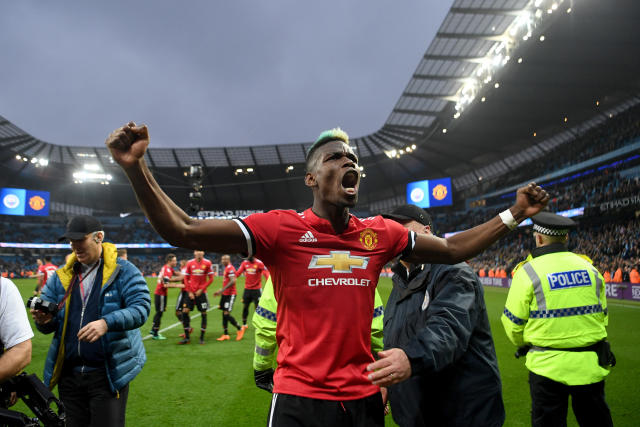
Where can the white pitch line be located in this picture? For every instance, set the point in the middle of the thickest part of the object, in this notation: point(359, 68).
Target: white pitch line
point(609, 302)
point(195, 316)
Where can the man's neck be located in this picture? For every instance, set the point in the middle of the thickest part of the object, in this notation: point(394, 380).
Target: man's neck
point(338, 216)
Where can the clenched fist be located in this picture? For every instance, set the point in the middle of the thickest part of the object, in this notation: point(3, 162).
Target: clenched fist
point(128, 144)
point(529, 201)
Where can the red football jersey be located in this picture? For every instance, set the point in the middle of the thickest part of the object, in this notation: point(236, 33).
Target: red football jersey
point(167, 272)
point(324, 284)
point(253, 271)
point(200, 275)
point(229, 272)
point(47, 270)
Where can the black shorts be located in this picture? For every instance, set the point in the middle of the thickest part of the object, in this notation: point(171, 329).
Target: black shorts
point(289, 410)
point(251, 296)
point(160, 301)
point(201, 302)
point(226, 302)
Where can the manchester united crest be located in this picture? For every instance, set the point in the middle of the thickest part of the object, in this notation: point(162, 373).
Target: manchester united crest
point(439, 192)
point(369, 239)
point(36, 203)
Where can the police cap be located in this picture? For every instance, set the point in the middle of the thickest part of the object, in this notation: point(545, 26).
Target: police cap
point(551, 224)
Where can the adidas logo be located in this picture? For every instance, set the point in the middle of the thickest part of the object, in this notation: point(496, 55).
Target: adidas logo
point(307, 238)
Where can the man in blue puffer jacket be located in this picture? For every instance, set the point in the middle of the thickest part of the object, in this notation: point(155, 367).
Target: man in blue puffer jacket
point(97, 348)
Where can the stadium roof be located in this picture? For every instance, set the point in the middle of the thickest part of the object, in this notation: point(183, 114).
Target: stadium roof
point(502, 82)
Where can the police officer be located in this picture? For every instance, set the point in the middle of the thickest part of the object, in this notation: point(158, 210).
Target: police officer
point(556, 313)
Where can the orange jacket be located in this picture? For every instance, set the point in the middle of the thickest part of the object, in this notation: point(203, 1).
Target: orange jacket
point(482, 273)
point(502, 273)
point(492, 273)
point(617, 277)
point(634, 276)
point(607, 277)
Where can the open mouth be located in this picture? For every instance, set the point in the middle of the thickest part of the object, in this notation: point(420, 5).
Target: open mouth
point(350, 182)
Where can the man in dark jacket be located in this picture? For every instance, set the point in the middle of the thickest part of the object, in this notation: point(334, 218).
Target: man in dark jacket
point(438, 341)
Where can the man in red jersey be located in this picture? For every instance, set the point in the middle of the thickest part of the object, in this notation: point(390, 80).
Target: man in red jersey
point(45, 271)
point(228, 293)
point(199, 276)
point(253, 270)
point(325, 265)
point(167, 278)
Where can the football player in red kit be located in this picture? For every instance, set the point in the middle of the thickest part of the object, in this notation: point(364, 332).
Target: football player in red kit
point(167, 278)
point(228, 293)
point(199, 275)
point(325, 264)
point(253, 270)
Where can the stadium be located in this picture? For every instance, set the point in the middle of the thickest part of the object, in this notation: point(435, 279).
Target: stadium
point(507, 92)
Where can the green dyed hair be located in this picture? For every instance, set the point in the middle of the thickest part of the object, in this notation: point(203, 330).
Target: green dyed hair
point(335, 134)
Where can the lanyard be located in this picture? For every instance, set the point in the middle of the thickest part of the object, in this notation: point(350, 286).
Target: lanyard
point(80, 279)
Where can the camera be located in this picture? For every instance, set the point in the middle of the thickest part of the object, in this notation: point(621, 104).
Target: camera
point(37, 303)
point(48, 409)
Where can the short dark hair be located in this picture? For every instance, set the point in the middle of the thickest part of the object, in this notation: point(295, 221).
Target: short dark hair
point(169, 257)
point(122, 251)
point(335, 134)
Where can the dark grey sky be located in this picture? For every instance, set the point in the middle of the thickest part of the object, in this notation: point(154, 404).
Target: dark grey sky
point(209, 73)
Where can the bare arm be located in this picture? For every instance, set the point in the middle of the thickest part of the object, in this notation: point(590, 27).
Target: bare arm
point(428, 248)
point(14, 360)
point(232, 281)
point(128, 145)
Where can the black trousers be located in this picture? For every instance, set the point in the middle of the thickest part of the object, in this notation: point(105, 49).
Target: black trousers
point(88, 400)
point(549, 403)
point(296, 411)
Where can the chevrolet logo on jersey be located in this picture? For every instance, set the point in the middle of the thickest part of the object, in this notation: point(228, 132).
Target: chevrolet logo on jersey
point(339, 261)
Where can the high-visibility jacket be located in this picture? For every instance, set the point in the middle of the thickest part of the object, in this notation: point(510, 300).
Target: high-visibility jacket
point(264, 322)
point(617, 276)
point(482, 273)
point(491, 273)
point(557, 300)
point(634, 276)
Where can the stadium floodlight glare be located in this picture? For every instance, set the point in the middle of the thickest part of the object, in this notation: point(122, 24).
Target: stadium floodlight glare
point(84, 176)
point(43, 162)
point(289, 169)
point(18, 157)
point(519, 30)
point(92, 167)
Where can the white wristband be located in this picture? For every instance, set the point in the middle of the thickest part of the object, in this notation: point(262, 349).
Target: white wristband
point(508, 219)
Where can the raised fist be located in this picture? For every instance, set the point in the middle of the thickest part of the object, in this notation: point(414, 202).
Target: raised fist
point(530, 200)
point(128, 144)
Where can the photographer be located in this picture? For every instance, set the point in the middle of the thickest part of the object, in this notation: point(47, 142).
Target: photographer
point(15, 332)
point(97, 348)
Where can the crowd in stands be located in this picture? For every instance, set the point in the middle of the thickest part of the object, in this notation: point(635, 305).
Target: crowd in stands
point(616, 132)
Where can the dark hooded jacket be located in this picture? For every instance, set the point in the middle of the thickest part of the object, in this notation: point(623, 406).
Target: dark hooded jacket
point(437, 315)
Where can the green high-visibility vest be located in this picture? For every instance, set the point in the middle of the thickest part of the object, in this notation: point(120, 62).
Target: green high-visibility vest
point(557, 300)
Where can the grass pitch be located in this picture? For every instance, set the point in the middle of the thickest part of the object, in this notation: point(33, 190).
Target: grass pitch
point(212, 384)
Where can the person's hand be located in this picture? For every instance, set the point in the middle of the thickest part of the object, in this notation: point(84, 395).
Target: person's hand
point(199, 292)
point(392, 368)
point(13, 398)
point(128, 144)
point(529, 201)
point(264, 379)
point(192, 295)
point(216, 293)
point(40, 317)
point(92, 331)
